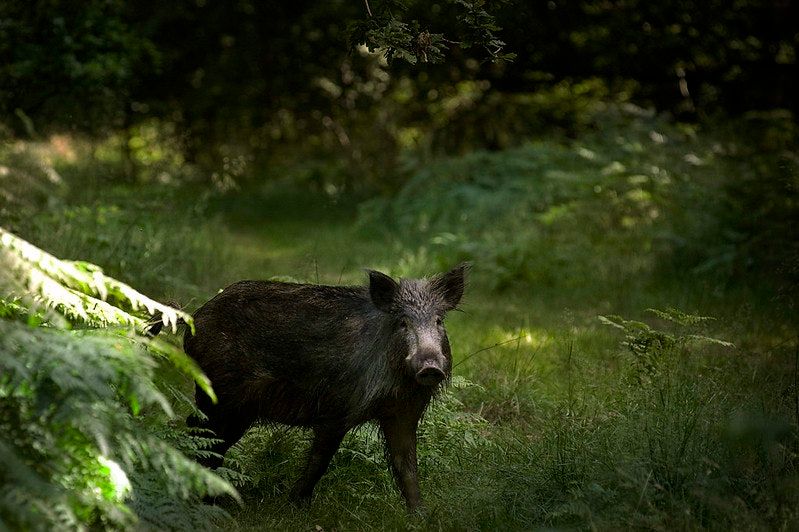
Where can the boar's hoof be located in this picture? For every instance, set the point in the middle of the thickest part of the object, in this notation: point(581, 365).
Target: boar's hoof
point(300, 501)
point(417, 510)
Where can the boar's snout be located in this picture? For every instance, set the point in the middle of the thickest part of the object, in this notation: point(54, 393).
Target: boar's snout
point(430, 374)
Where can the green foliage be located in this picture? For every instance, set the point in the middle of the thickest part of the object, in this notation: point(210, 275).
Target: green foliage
point(359, 475)
point(398, 40)
point(745, 230)
point(249, 97)
point(26, 180)
point(56, 193)
point(691, 57)
point(607, 450)
point(86, 440)
point(682, 460)
point(83, 439)
point(77, 289)
point(557, 431)
point(608, 207)
point(482, 28)
point(650, 347)
point(384, 31)
point(449, 426)
point(560, 201)
point(66, 64)
point(70, 292)
point(107, 66)
point(620, 209)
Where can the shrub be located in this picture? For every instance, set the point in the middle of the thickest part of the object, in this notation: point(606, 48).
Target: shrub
point(87, 438)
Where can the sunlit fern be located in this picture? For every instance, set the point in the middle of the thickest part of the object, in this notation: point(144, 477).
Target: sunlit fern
point(67, 294)
point(78, 290)
point(87, 437)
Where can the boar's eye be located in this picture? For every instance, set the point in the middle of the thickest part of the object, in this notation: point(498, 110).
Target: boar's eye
point(439, 321)
point(404, 323)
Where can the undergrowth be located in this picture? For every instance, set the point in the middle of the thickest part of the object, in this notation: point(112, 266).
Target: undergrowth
point(638, 197)
point(88, 438)
point(557, 418)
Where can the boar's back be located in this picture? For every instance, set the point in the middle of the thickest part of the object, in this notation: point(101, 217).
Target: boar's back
point(281, 347)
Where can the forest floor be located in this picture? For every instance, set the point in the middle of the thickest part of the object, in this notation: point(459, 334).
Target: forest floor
point(552, 421)
point(556, 417)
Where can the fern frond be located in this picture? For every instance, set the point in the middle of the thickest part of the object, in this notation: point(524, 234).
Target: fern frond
point(182, 362)
point(679, 317)
point(80, 291)
point(70, 418)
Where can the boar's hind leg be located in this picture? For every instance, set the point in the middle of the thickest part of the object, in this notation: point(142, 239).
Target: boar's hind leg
point(325, 444)
point(400, 435)
point(228, 428)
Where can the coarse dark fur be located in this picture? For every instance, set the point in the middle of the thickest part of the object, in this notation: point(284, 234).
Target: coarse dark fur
point(329, 358)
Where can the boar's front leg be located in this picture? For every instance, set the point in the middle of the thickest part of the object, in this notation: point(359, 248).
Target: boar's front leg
point(325, 444)
point(400, 434)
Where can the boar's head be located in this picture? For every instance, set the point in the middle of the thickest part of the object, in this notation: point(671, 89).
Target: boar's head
point(415, 310)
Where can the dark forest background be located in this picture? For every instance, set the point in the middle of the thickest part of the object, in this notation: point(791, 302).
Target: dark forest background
point(257, 76)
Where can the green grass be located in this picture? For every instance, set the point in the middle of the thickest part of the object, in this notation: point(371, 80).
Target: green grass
point(567, 437)
point(560, 428)
point(559, 434)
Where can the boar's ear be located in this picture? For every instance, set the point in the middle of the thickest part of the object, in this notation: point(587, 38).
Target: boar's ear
point(382, 289)
point(450, 285)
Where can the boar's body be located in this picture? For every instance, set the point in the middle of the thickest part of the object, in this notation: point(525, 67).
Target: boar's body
point(302, 355)
point(329, 358)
